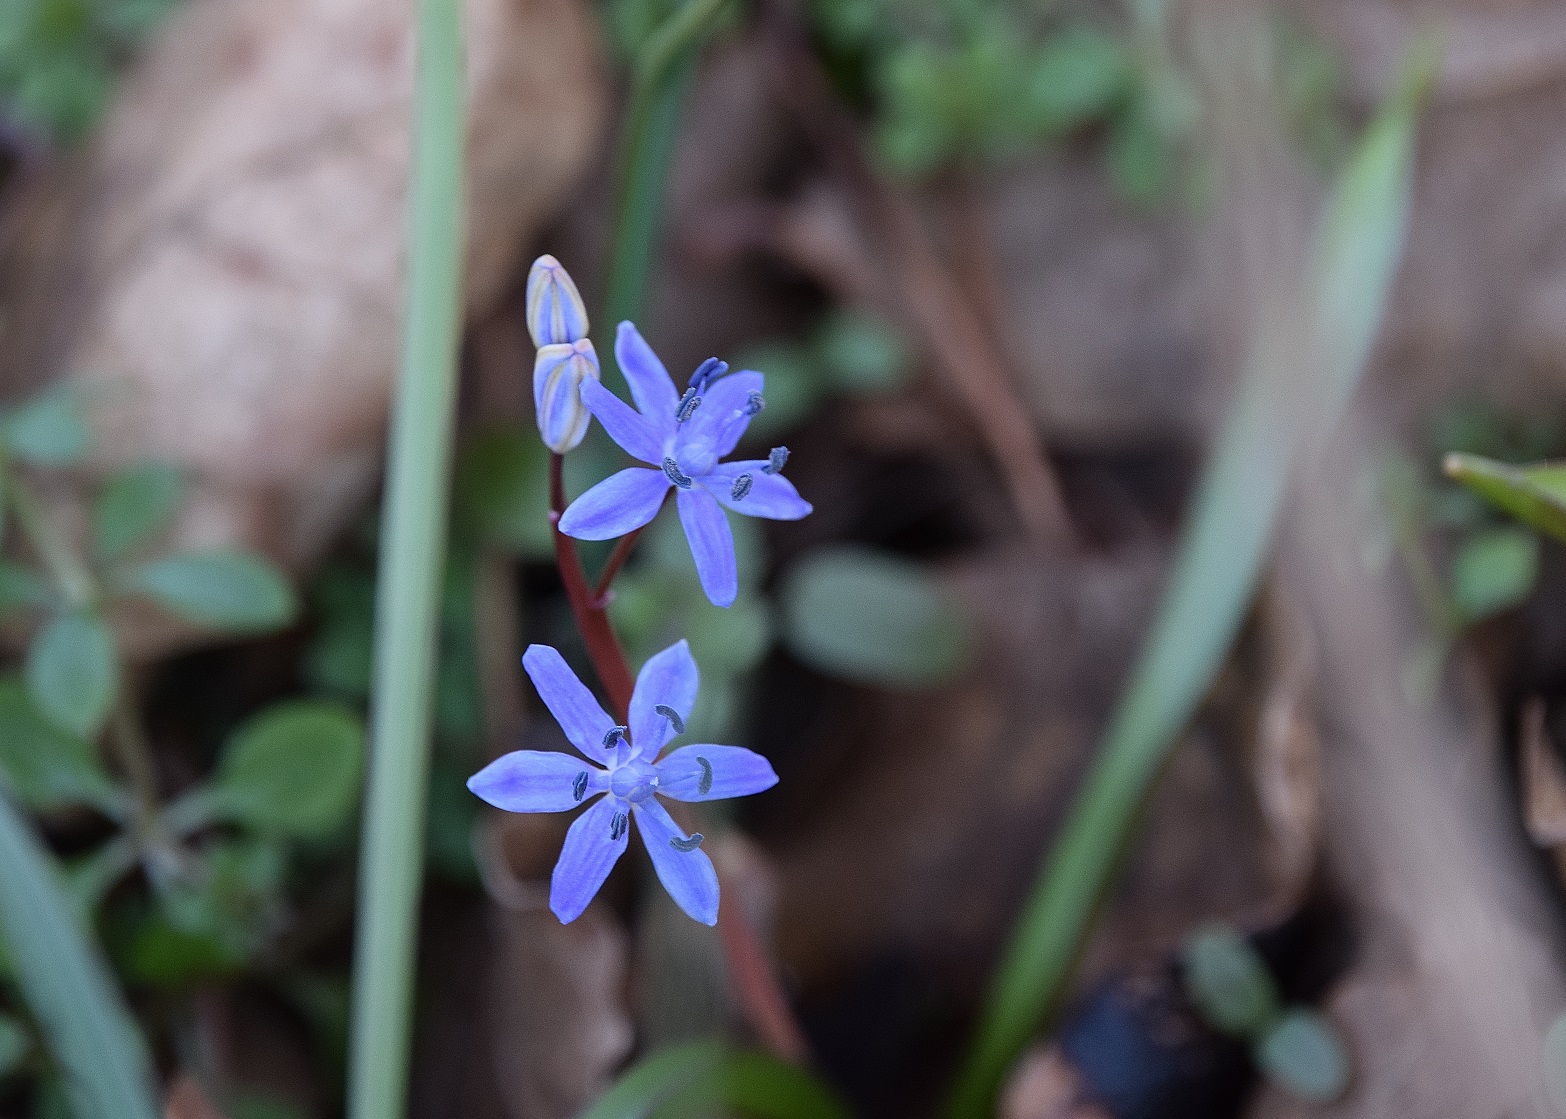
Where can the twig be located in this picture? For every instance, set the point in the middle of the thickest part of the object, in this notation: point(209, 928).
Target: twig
point(935, 303)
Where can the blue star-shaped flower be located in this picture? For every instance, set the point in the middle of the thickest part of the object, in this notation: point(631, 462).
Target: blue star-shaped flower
point(626, 773)
point(683, 437)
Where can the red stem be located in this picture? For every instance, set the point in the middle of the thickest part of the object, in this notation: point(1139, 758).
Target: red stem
point(755, 982)
point(617, 558)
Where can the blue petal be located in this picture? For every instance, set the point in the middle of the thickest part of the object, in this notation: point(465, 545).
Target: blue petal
point(771, 495)
point(555, 311)
point(712, 544)
point(558, 373)
point(537, 781)
point(651, 386)
point(573, 706)
point(617, 505)
point(721, 419)
point(687, 875)
point(668, 679)
point(729, 771)
point(588, 856)
point(623, 423)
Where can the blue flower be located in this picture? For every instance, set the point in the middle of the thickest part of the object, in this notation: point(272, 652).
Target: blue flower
point(682, 438)
point(626, 777)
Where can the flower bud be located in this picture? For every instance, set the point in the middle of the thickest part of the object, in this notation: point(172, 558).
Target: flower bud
point(555, 311)
point(558, 373)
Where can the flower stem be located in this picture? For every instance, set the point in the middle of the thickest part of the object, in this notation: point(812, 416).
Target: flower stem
point(70, 575)
point(412, 556)
point(755, 982)
point(622, 552)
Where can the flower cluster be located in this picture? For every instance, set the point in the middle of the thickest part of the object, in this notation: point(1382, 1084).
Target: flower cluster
point(682, 437)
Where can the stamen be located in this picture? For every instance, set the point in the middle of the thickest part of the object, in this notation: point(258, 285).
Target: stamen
point(618, 826)
point(742, 486)
point(688, 405)
point(686, 844)
point(616, 734)
point(755, 403)
point(708, 372)
point(704, 786)
point(672, 715)
point(579, 787)
point(672, 470)
point(775, 460)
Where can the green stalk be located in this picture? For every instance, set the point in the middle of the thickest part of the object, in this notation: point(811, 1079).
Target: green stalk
point(662, 74)
point(407, 591)
point(1304, 361)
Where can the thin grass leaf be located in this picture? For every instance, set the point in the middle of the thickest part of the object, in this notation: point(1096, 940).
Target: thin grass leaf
point(1301, 369)
point(67, 985)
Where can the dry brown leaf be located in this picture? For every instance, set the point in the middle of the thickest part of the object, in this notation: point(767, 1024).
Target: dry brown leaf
point(224, 269)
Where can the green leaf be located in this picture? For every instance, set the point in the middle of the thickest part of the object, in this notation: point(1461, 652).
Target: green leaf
point(1305, 357)
point(754, 1084)
point(15, 1045)
point(67, 985)
point(133, 507)
point(47, 430)
point(1493, 571)
point(860, 354)
point(874, 618)
point(655, 1077)
point(46, 767)
point(502, 488)
point(1077, 77)
point(1535, 495)
point(73, 673)
point(1228, 981)
point(231, 592)
point(293, 770)
point(20, 588)
point(1304, 1055)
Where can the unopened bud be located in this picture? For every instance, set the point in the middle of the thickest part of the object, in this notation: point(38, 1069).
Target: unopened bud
point(555, 311)
point(557, 392)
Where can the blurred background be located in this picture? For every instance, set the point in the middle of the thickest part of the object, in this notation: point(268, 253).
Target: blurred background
point(1006, 265)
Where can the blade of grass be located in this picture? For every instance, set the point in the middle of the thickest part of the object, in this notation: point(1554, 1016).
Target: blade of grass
point(407, 588)
point(1311, 364)
point(67, 984)
point(661, 75)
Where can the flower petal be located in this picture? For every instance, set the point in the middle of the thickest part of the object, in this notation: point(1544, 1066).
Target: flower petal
point(721, 419)
point(537, 781)
point(619, 504)
point(558, 373)
point(712, 544)
point(624, 424)
point(573, 706)
point(703, 772)
point(590, 852)
point(688, 875)
point(771, 495)
point(651, 386)
point(668, 679)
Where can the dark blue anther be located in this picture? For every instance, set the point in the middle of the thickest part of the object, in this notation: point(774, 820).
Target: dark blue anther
point(688, 405)
point(618, 826)
point(672, 470)
point(775, 460)
point(704, 786)
point(579, 787)
point(742, 486)
point(754, 404)
point(686, 844)
point(672, 715)
point(616, 734)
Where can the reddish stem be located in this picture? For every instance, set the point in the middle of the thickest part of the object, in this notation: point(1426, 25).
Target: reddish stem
point(755, 982)
point(622, 552)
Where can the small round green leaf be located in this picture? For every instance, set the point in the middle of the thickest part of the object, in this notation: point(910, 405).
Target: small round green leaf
point(1494, 571)
point(1304, 1055)
point(1229, 982)
point(133, 506)
point(292, 770)
point(875, 618)
point(47, 430)
point(45, 767)
point(72, 673)
point(231, 592)
point(15, 1045)
point(861, 354)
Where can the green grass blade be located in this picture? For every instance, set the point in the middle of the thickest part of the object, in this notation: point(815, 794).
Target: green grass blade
point(1534, 494)
point(67, 984)
point(1301, 368)
point(407, 591)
